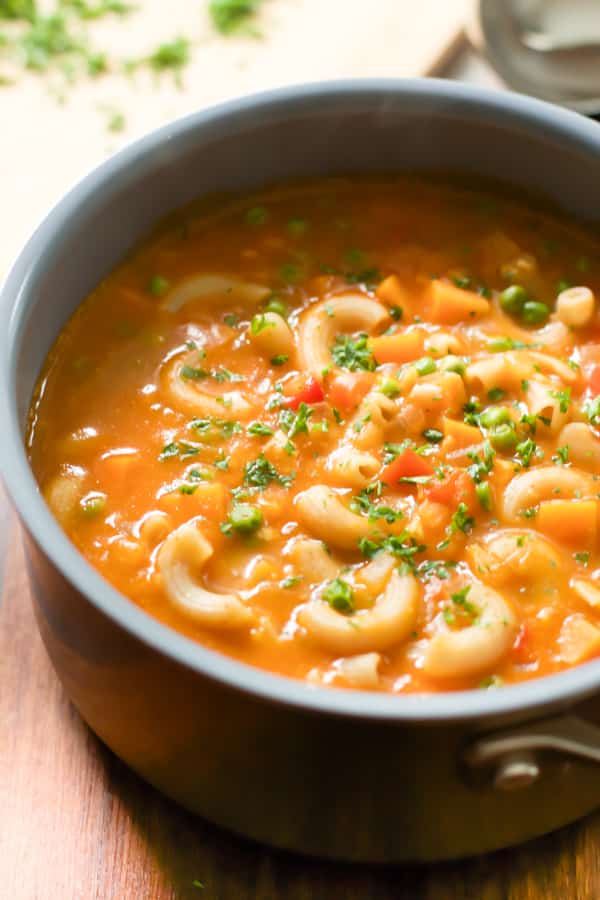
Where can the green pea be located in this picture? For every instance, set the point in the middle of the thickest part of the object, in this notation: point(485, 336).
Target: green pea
point(425, 366)
point(513, 299)
point(504, 438)
point(535, 313)
point(276, 305)
point(245, 518)
point(158, 286)
point(494, 416)
point(339, 595)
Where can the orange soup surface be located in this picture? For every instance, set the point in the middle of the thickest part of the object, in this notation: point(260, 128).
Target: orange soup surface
point(344, 430)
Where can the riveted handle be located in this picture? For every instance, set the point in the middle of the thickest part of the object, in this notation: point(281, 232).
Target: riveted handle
point(510, 754)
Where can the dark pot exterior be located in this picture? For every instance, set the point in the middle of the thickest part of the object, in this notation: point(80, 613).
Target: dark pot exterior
point(331, 773)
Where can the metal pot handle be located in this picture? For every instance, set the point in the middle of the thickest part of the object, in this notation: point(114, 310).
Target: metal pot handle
point(510, 753)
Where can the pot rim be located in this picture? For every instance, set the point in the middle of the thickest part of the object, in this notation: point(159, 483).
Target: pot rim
point(518, 112)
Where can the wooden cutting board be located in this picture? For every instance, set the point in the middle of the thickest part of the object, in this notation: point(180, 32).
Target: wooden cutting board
point(51, 135)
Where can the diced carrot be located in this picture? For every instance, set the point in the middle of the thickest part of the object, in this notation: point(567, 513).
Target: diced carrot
point(457, 487)
point(348, 388)
point(392, 291)
point(459, 434)
point(115, 470)
point(408, 465)
point(397, 348)
point(572, 521)
point(449, 304)
point(211, 499)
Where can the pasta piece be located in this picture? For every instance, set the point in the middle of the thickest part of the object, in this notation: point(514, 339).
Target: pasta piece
point(375, 574)
point(579, 639)
point(544, 483)
point(153, 527)
point(514, 553)
point(389, 621)
point(588, 590)
point(324, 514)
point(442, 343)
point(200, 286)
point(360, 671)
point(188, 394)
point(444, 390)
point(544, 402)
point(575, 306)
point(273, 336)
point(350, 466)
point(180, 562)
point(497, 371)
point(312, 559)
point(456, 654)
point(63, 494)
point(584, 447)
point(323, 321)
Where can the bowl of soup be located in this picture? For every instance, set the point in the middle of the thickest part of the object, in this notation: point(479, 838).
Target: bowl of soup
point(302, 422)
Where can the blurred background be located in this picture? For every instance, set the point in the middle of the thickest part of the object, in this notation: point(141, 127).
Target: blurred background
point(80, 78)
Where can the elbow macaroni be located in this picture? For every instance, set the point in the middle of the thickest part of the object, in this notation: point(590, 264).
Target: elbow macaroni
point(309, 443)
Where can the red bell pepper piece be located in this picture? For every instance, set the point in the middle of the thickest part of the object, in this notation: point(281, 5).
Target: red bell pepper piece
point(408, 465)
point(312, 392)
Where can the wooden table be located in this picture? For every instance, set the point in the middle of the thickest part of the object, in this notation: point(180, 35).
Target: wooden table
point(75, 824)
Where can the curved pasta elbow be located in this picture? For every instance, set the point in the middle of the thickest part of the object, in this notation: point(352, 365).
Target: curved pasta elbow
point(350, 466)
point(323, 321)
point(213, 285)
point(189, 395)
point(389, 621)
point(273, 337)
point(457, 654)
point(584, 447)
point(544, 483)
point(324, 515)
point(180, 562)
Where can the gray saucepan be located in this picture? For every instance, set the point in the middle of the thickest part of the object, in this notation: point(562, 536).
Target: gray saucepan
point(342, 774)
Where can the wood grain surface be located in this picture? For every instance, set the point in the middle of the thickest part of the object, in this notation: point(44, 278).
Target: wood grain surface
point(75, 824)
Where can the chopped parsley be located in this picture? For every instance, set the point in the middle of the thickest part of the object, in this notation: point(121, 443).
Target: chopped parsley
point(563, 397)
point(353, 354)
point(460, 521)
point(231, 17)
point(433, 436)
point(396, 312)
point(257, 215)
point(259, 429)
point(260, 473)
point(214, 427)
point(461, 604)
point(279, 360)
point(222, 374)
point(402, 546)
point(582, 558)
point(526, 450)
point(290, 581)
point(338, 594)
point(190, 373)
point(294, 423)
point(562, 456)
point(363, 504)
point(231, 319)
point(178, 449)
point(495, 394)
point(259, 322)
